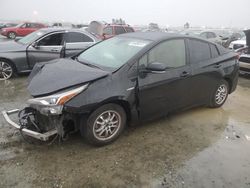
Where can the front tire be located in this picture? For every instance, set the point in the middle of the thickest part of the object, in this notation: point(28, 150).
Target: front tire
point(11, 35)
point(220, 94)
point(6, 70)
point(104, 125)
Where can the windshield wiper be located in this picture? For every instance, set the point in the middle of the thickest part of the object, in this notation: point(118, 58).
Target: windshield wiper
point(88, 64)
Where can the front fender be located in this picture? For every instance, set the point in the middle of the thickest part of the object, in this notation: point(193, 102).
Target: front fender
point(19, 59)
point(109, 89)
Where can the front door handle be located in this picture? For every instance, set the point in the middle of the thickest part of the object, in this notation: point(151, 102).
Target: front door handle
point(217, 66)
point(54, 50)
point(185, 74)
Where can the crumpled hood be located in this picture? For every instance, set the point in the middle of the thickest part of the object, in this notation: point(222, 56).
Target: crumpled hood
point(11, 46)
point(50, 77)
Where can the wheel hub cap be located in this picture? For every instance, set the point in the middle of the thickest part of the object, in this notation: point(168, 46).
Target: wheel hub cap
point(106, 125)
point(5, 71)
point(221, 94)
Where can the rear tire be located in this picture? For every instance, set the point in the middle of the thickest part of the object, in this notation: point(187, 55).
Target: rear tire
point(104, 125)
point(220, 94)
point(11, 35)
point(7, 70)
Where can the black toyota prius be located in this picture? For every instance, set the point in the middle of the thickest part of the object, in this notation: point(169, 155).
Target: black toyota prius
point(131, 77)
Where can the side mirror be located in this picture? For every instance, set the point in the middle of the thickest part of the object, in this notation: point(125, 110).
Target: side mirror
point(156, 67)
point(35, 45)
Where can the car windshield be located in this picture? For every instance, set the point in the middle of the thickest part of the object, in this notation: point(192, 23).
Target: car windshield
point(31, 37)
point(112, 53)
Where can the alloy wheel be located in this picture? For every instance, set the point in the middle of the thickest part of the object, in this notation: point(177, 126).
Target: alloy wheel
point(6, 70)
point(107, 125)
point(221, 94)
point(12, 35)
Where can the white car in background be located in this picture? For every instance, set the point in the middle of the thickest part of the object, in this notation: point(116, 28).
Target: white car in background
point(241, 43)
point(244, 60)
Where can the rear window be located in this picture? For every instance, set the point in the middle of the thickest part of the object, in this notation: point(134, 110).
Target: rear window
point(214, 51)
point(74, 37)
point(108, 30)
point(129, 29)
point(119, 30)
point(222, 50)
point(199, 51)
point(211, 35)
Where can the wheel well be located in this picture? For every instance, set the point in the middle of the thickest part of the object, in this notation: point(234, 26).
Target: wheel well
point(229, 84)
point(11, 32)
point(124, 104)
point(11, 62)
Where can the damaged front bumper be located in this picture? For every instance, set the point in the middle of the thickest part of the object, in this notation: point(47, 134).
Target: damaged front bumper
point(41, 136)
point(44, 116)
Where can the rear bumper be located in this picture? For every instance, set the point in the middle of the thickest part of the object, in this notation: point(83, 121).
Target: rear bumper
point(37, 135)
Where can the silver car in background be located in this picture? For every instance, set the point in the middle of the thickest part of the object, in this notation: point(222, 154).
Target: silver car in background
point(21, 55)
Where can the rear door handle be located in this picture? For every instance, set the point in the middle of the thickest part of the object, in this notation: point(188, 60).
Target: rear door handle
point(217, 66)
point(185, 74)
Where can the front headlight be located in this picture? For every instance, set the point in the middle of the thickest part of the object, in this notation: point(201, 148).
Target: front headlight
point(54, 103)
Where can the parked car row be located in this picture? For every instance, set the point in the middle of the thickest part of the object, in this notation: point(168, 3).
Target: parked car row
point(48, 43)
point(223, 38)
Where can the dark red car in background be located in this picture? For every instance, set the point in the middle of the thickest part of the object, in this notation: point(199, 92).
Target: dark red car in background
point(22, 29)
point(106, 31)
point(111, 30)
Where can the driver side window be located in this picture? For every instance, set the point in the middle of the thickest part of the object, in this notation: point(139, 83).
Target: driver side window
point(52, 40)
point(24, 26)
point(172, 53)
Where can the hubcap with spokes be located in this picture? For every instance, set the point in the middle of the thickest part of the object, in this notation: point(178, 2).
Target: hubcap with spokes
point(221, 94)
point(107, 125)
point(12, 35)
point(5, 71)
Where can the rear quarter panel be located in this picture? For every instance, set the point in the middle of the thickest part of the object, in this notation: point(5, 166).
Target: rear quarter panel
point(206, 76)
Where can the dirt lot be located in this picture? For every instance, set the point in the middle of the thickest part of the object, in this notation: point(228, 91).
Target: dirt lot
point(196, 148)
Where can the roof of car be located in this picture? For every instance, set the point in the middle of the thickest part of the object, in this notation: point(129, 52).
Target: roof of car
point(153, 36)
point(123, 25)
point(58, 29)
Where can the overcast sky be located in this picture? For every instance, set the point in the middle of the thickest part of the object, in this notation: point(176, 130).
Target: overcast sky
point(214, 13)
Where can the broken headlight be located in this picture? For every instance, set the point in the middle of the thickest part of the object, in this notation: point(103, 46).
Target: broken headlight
point(53, 104)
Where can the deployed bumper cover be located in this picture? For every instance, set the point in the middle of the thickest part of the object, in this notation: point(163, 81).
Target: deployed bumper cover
point(41, 136)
